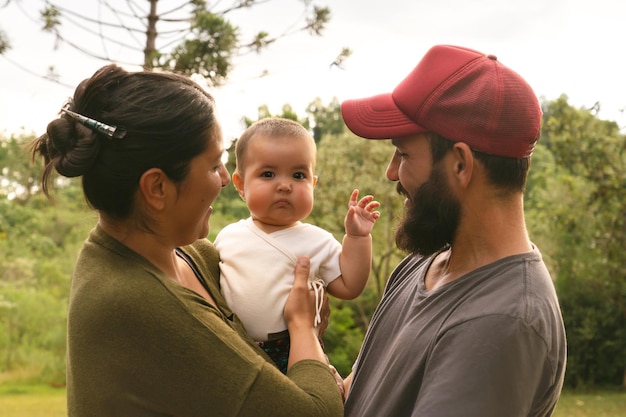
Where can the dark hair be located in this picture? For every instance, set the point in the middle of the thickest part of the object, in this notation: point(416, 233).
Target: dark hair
point(167, 119)
point(508, 174)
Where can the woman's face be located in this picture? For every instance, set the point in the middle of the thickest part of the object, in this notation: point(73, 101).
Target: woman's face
point(207, 176)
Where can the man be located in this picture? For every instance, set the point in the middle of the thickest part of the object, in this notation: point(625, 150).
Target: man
point(469, 324)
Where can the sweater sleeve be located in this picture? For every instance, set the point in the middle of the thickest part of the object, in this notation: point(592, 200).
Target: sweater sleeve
point(308, 390)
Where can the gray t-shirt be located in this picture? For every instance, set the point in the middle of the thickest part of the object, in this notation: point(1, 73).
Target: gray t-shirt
point(488, 344)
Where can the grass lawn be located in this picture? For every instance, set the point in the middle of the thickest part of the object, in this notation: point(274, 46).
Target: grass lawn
point(596, 404)
point(42, 401)
point(32, 401)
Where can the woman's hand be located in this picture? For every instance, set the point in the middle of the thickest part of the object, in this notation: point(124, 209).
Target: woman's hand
point(300, 306)
point(300, 314)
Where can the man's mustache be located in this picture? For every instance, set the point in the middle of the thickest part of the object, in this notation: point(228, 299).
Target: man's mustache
point(401, 190)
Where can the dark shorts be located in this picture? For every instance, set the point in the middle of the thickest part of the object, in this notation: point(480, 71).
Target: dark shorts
point(277, 348)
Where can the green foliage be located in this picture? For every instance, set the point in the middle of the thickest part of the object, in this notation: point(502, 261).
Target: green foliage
point(575, 207)
point(17, 174)
point(50, 16)
point(316, 23)
point(39, 242)
point(194, 37)
point(343, 337)
point(208, 52)
point(35, 329)
point(287, 112)
point(327, 118)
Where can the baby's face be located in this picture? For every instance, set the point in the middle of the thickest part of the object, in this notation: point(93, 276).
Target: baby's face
point(278, 180)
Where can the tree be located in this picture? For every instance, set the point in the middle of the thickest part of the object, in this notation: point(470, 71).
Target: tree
point(191, 37)
point(576, 202)
point(327, 118)
point(18, 176)
point(39, 243)
point(287, 112)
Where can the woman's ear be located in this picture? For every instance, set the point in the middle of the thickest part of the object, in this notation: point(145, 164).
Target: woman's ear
point(153, 186)
point(238, 181)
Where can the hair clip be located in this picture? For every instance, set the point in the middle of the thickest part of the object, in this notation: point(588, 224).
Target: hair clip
point(113, 132)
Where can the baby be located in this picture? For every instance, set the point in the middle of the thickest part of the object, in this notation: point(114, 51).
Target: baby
point(275, 177)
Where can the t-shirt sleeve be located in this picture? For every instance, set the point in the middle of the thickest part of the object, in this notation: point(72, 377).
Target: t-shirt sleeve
point(484, 367)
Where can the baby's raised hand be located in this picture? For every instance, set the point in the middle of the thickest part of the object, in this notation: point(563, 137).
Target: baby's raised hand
point(361, 216)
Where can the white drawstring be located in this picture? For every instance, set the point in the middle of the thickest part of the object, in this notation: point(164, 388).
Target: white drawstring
point(318, 286)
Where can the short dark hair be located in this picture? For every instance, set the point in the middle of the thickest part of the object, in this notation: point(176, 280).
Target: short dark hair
point(272, 127)
point(508, 174)
point(167, 119)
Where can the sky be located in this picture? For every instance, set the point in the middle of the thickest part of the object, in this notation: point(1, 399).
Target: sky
point(571, 47)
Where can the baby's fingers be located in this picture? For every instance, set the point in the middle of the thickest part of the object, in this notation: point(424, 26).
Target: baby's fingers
point(353, 198)
point(371, 205)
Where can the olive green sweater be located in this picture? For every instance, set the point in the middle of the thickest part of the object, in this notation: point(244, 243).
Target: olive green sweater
point(139, 344)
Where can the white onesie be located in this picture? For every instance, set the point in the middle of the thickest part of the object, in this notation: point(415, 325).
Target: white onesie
point(257, 269)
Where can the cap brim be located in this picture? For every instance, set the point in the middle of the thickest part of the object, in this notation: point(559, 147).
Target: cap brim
point(378, 117)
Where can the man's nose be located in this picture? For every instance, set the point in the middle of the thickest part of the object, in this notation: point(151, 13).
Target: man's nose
point(392, 169)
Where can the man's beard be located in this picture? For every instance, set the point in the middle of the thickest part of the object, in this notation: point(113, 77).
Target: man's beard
point(432, 217)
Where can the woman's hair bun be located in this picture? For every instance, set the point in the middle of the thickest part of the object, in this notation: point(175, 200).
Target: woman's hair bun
point(73, 147)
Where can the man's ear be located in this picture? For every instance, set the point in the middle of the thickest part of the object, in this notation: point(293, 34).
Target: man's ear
point(153, 186)
point(462, 163)
point(238, 181)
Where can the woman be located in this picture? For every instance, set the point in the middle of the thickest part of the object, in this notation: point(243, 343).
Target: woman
point(149, 333)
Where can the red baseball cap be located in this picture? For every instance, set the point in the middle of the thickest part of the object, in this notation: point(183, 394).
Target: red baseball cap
point(460, 94)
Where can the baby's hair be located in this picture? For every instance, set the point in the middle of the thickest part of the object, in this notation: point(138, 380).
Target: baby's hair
point(271, 127)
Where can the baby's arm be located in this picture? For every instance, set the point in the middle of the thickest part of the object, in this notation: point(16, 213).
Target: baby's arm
point(356, 253)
